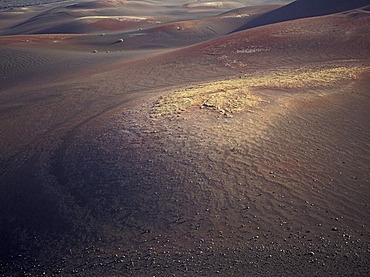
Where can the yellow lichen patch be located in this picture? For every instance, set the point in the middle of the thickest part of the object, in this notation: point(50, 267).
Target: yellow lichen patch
point(231, 100)
point(305, 78)
point(231, 96)
point(224, 97)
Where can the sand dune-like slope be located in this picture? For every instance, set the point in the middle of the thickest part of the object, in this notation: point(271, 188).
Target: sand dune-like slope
point(126, 28)
point(304, 8)
point(174, 34)
point(244, 154)
point(87, 17)
point(64, 31)
point(62, 52)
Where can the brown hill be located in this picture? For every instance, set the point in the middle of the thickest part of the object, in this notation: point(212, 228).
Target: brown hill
point(245, 155)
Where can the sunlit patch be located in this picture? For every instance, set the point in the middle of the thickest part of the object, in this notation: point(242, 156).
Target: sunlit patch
point(212, 4)
point(118, 18)
point(236, 15)
point(225, 97)
point(233, 96)
point(252, 49)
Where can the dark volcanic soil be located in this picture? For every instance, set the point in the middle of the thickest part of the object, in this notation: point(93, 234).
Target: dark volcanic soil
point(95, 182)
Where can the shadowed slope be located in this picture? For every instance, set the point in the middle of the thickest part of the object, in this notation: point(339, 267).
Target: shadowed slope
point(101, 176)
point(303, 9)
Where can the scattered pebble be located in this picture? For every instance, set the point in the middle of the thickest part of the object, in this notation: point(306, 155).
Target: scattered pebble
point(311, 253)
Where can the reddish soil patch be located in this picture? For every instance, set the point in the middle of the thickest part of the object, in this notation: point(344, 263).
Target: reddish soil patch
point(93, 184)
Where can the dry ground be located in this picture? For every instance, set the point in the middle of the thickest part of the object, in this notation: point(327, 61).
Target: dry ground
point(246, 154)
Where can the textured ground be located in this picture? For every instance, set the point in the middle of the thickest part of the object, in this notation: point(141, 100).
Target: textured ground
point(186, 151)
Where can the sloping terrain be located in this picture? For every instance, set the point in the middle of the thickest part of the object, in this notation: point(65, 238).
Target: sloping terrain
point(303, 9)
point(215, 154)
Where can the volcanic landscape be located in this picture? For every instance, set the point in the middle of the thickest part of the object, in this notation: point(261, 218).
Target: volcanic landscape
point(179, 138)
